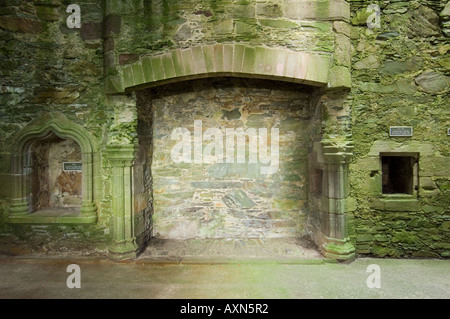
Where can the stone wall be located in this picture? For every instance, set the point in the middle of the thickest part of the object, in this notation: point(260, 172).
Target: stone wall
point(401, 77)
point(48, 68)
point(89, 78)
point(141, 27)
point(216, 198)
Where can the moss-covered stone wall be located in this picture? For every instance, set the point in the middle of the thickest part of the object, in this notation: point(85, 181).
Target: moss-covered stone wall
point(87, 79)
point(400, 77)
point(47, 68)
point(221, 195)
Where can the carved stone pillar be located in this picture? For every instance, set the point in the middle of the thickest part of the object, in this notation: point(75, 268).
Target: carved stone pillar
point(336, 200)
point(121, 158)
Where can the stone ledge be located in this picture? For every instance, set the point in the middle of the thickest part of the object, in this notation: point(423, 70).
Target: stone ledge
point(393, 204)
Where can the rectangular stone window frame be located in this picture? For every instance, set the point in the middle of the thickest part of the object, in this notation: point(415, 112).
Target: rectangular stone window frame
point(414, 194)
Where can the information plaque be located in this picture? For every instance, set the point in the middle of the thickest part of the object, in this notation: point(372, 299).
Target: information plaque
point(401, 131)
point(72, 166)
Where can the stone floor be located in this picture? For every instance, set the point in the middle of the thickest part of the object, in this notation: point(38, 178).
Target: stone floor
point(46, 278)
point(300, 250)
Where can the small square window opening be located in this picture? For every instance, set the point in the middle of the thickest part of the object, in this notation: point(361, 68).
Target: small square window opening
point(399, 173)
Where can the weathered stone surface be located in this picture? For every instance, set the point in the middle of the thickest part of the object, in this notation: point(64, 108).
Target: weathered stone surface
point(424, 22)
point(22, 25)
point(91, 31)
point(360, 17)
point(397, 67)
point(390, 97)
point(445, 14)
point(433, 83)
point(48, 13)
point(376, 78)
point(370, 62)
point(387, 35)
point(228, 199)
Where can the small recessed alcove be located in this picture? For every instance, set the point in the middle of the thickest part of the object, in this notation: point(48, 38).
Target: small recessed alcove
point(53, 163)
point(55, 176)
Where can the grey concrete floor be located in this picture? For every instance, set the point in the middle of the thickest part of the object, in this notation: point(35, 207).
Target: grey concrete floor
point(45, 278)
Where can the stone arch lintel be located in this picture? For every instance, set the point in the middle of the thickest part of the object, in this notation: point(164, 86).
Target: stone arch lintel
point(237, 60)
point(60, 125)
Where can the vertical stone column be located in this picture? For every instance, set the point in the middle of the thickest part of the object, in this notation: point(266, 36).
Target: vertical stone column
point(19, 205)
point(121, 158)
point(88, 208)
point(336, 201)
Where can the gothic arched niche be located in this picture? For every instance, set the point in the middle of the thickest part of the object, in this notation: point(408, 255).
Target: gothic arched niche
point(52, 169)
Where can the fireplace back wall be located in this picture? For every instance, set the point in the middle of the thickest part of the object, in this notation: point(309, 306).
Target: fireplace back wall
point(217, 198)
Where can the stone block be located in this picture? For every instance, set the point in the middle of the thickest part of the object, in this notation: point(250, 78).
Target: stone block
point(47, 13)
point(21, 25)
point(342, 27)
point(138, 74)
point(147, 69)
point(399, 67)
point(167, 64)
point(291, 65)
point(218, 57)
point(342, 50)
point(270, 56)
point(396, 205)
point(367, 164)
point(424, 22)
point(158, 68)
point(269, 10)
point(433, 83)
point(280, 66)
point(249, 60)
point(340, 77)
point(125, 59)
point(427, 183)
point(318, 10)
point(238, 58)
point(433, 166)
point(369, 62)
point(223, 27)
point(228, 57)
point(127, 75)
point(91, 31)
point(208, 53)
point(177, 61)
point(188, 61)
point(425, 149)
point(199, 60)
